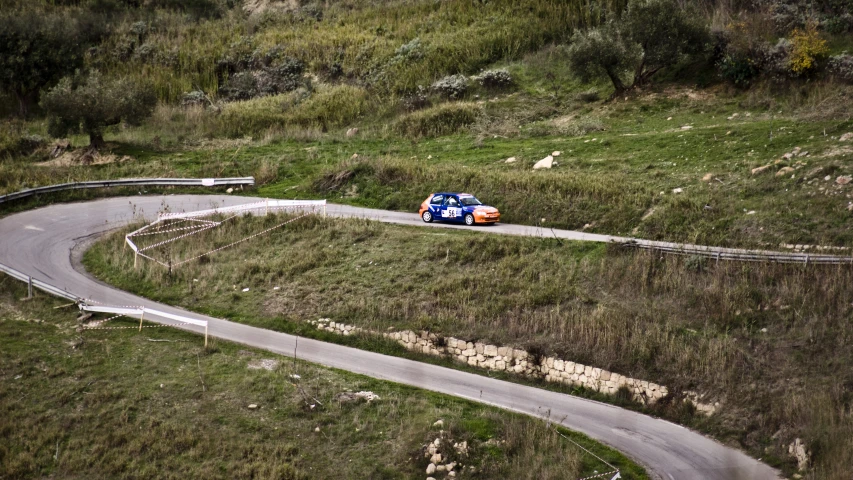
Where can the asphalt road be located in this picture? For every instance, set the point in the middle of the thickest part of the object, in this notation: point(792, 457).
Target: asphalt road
point(42, 242)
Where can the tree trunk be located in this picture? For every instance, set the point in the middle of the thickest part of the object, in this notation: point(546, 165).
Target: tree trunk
point(25, 99)
point(617, 84)
point(96, 140)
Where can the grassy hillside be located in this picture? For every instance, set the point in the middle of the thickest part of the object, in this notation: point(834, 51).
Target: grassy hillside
point(123, 404)
point(770, 342)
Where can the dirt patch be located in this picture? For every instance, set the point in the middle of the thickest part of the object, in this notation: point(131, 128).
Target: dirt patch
point(836, 152)
point(263, 364)
point(83, 157)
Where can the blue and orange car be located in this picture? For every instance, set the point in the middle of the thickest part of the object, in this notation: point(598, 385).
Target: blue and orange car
point(457, 207)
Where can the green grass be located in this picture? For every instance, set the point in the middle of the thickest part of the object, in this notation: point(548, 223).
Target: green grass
point(114, 404)
point(733, 331)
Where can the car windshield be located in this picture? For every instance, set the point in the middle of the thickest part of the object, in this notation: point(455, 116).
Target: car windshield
point(468, 201)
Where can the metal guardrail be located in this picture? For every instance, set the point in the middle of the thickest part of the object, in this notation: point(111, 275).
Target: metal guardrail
point(34, 283)
point(742, 255)
point(166, 182)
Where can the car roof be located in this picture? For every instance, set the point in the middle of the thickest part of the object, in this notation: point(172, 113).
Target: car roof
point(452, 193)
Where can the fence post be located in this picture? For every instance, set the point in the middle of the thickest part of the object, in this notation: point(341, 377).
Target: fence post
point(29, 287)
point(141, 315)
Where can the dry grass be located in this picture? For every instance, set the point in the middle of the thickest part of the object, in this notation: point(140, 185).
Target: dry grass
point(113, 404)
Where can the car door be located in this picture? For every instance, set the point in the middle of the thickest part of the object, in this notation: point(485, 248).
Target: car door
point(451, 210)
point(435, 205)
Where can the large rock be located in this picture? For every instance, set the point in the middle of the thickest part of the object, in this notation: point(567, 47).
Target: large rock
point(761, 169)
point(784, 171)
point(798, 450)
point(546, 162)
point(843, 180)
point(846, 137)
point(352, 132)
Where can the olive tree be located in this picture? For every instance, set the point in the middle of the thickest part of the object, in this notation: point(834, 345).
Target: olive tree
point(37, 49)
point(90, 104)
point(650, 35)
point(603, 52)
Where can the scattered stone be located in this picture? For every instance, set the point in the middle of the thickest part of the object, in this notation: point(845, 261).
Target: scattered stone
point(161, 385)
point(762, 169)
point(797, 449)
point(687, 127)
point(461, 447)
point(317, 429)
point(546, 162)
point(843, 180)
point(796, 151)
point(436, 458)
point(846, 137)
point(827, 178)
point(510, 160)
point(352, 132)
point(354, 156)
point(751, 212)
point(668, 118)
point(677, 190)
point(253, 406)
point(230, 190)
point(430, 469)
point(276, 288)
point(246, 289)
point(708, 177)
point(438, 423)
point(295, 376)
point(784, 171)
point(556, 153)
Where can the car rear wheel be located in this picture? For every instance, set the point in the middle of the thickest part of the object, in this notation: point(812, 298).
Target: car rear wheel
point(469, 219)
point(427, 216)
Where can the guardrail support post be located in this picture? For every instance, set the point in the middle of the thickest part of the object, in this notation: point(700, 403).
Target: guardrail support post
point(267, 206)
point(141, 315)
point(205, 335)
point(29, 287)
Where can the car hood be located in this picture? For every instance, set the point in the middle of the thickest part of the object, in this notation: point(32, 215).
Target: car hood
point(485, 208)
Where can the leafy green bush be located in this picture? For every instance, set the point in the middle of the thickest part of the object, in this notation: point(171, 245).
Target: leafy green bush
point(92, 103)
point(443, 119)
point(602, 52)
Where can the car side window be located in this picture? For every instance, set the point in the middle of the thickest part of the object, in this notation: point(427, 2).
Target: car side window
point(451, 202)
point(436, 200)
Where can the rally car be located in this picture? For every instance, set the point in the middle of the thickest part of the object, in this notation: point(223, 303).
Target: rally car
point(457, 207)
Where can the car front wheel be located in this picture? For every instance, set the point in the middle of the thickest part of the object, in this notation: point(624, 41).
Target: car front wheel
point(427, 216)
point(469, 219)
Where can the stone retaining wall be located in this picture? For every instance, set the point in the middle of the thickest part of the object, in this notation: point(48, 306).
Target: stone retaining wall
point(514, 360)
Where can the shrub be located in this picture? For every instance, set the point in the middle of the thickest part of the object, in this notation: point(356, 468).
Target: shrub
point(452, 86)
point(841, 67)
point(444, 119)
point(807, 50)
point(494, 78)
point(416, 100)
point(196, 97)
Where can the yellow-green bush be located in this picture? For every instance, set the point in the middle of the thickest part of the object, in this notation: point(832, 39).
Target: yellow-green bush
point(443, 119)
point(808, 48)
